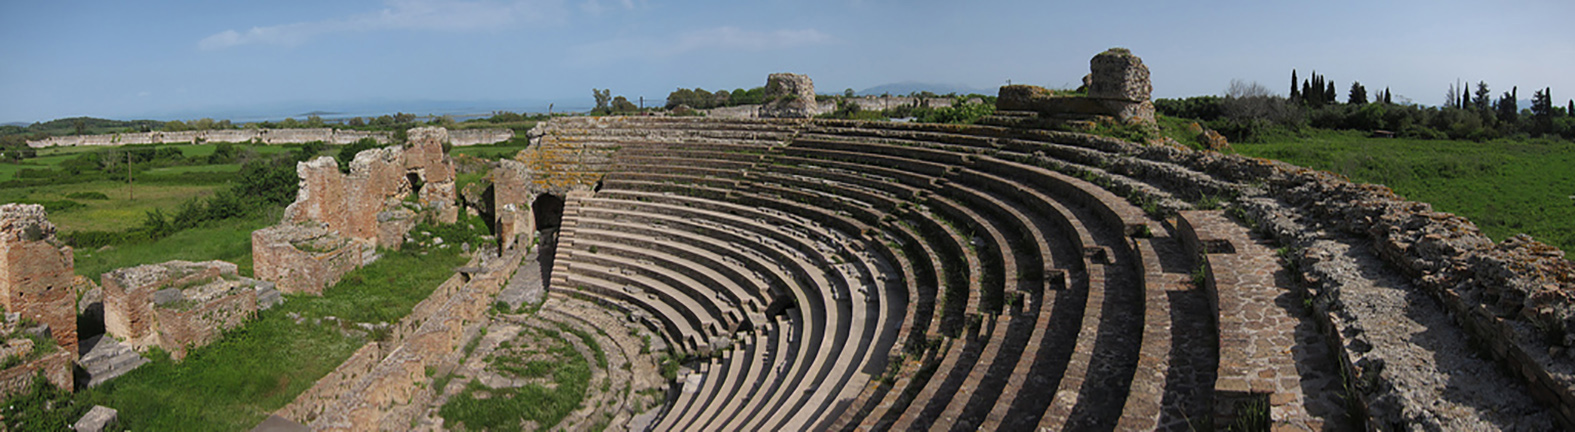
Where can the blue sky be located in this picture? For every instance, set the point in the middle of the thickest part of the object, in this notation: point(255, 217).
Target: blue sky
point(189, 59)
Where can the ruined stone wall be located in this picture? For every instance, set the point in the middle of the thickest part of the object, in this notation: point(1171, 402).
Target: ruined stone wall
point(366, 205)
point(204, 323)
point(303, 257)
point(386, 392)
point(470, 137)
point(789, 96)
point(879, 103)
point(56, 368)
point(1118, 87)
point(338, 220)
point(175, 305)
point(426, 158)
point(465, 137)
point(37, 272)
point(511, 200)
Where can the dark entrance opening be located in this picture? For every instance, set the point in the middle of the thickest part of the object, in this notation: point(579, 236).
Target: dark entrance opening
point(415, 183)
point(548, 211)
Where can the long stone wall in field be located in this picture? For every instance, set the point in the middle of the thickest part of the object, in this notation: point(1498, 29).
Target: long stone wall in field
point(461, 138)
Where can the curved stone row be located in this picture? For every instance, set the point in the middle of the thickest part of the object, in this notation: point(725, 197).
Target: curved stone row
point(824, 274)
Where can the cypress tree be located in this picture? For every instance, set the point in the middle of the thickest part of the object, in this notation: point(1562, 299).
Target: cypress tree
point(1328, 94)
point(1294, 94)
point(1387, 100)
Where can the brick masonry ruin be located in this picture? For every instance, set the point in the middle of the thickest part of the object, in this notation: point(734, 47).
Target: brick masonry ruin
point(338, 220)
point(36, 272)
point(179, 305)
point(36, 288)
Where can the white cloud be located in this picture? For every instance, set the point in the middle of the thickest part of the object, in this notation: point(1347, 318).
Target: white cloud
point(438, 15)
point(720, 38)
point(595, 7)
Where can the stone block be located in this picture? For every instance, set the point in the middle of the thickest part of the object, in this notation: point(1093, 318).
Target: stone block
point(167, 296)
point(96, 419)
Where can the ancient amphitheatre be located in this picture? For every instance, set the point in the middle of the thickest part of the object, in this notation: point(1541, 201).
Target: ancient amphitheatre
point(822, 274)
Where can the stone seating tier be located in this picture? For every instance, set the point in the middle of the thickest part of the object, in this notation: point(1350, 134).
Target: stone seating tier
point(1067, 237)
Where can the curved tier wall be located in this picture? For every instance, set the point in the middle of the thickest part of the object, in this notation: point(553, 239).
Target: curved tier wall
point(824, 274)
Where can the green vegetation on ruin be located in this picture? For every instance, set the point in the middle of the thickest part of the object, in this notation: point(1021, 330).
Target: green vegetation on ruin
point(563, 376)
point(258, 368)
point(1505, 186)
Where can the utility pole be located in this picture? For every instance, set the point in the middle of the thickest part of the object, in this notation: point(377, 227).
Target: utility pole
point(642, 103)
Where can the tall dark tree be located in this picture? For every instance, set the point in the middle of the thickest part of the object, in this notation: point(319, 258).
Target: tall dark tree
point(1542, 111)
point(1508, 109)
point(1328, 93)
point(603, 97)
point(1484, 99)
point(1358, 95)
point(1387, 99)
point(1295, 95)
point(1571, 110)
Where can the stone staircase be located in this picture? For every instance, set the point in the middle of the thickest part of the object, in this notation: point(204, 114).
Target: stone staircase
point(103, 359)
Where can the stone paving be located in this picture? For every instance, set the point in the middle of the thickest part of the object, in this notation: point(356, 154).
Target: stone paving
point(1269, 348)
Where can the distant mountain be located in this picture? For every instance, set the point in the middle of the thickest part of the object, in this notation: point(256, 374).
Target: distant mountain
point(908, 87)
point(19, 124)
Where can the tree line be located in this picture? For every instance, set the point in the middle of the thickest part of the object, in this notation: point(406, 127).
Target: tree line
point(1250, 112)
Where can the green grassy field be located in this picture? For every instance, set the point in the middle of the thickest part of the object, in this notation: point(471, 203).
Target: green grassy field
point(116, 213)
point(1505, 187)
point(228, 240)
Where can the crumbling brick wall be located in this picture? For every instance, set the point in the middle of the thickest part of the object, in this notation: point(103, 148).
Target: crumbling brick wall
point(203, 323)
point(200, 301)
point(56, 368)
point(370, 207)
point(511, 198)
point(36, 272)
point(304, 257)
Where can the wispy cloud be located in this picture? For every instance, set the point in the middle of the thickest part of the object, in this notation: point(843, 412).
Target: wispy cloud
point(436, 15)
point(720, 38)
point(595, 7)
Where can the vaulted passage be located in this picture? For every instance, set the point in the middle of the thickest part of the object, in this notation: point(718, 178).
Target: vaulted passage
point(548, 210)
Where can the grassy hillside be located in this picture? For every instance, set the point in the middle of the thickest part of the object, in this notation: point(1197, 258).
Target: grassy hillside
point(1506, 187)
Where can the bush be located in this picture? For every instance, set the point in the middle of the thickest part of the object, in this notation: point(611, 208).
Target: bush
point(348, 152)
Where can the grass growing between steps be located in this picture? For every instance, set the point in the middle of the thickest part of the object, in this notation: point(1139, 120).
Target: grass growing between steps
point(559, 375)
point(1506, 187)
point(261, 366)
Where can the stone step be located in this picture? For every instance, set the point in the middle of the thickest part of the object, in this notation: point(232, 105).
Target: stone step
point(106, 359)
